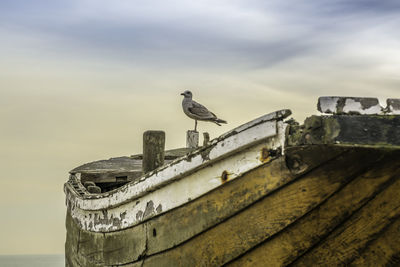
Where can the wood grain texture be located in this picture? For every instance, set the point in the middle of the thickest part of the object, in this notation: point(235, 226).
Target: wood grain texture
point(300, 236)
point(90, 248)
point(345, 243)
point(384, 251)
point(181, 224)
point(263, 219)
point(126, 246)
point(195, 217)
point(71, 242)
point(153, 150)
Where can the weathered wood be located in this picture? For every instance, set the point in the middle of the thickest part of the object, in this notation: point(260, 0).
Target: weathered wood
point(345, 243)
point(265, 218)
point(206, 138)
point(120, 169)
point(124, 246)
point(356, 130)
point(90, 248)
point(103, 177)
point(192, 139)
point(118, 164)
point(287, 245)
point(153, 150)
point(384, 251)
point(108, 170)
point(183, 223)
point(167, 187)
point(82, 248)
point(71, 241)
point(179, 225)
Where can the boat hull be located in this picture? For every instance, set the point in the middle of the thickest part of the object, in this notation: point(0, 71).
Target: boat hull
point(317, 205)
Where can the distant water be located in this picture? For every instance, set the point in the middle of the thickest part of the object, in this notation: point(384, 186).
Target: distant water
point(32, 261)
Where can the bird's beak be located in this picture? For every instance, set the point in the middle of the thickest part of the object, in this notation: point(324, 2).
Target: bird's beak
point(182, 94)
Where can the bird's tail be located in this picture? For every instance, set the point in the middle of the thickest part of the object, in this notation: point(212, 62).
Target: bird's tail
point(218, 121)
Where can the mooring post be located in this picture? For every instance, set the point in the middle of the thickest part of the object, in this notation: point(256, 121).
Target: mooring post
point(192, 139)
point(153, 150)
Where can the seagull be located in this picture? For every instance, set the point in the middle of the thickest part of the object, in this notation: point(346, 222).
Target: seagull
point(197, 111)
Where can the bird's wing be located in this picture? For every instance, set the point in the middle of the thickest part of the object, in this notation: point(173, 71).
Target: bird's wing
point(200, 110)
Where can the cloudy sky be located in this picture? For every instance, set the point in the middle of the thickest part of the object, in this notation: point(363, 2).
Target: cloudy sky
point(81, 80)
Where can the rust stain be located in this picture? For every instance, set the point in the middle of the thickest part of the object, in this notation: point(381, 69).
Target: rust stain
point(224, 176)
point(266, 154)
point(265, 157)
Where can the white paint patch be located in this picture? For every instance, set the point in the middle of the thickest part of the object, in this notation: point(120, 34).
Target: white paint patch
point(327, 104)
point(353, 106)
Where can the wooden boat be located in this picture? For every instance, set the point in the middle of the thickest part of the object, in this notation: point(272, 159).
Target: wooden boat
point(268, 193)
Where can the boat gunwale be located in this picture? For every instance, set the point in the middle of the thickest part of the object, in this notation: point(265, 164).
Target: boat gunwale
point(82, 200)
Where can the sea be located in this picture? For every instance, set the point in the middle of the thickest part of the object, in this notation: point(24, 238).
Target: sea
point(32, 260)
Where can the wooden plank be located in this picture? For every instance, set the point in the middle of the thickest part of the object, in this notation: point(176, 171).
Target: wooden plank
point(300, 236)
point(385, 250)
point(82, 248)
point(356, 130)
point(71, 242)
point(183, 223)
point(345, 242)
point(124, 246)
point(90, 248)
point(111, 177)
point(85, 248)
point(273, 213)
point(119, 164)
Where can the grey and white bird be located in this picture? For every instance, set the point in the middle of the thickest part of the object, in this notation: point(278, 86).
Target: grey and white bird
point(197, 111)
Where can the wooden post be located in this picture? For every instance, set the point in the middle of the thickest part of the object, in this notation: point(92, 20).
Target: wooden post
point(206, 138)
point(153, 150)
point(192, 139)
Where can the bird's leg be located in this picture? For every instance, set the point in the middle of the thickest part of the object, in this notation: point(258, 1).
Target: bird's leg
point(195, 125)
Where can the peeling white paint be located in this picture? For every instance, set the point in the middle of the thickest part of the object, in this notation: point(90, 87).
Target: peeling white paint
point(349, 105)
point(327, 104)
point(277, 115)
point(187, 178)
point(355, 106)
